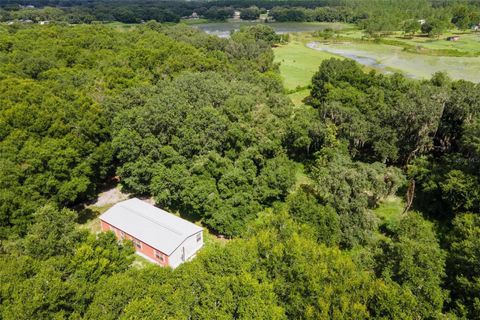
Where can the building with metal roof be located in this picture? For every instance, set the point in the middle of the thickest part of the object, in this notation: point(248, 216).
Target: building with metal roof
point(157, 235)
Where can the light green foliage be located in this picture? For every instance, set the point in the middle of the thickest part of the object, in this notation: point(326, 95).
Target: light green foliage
point(53, 272)
point(410, 27)
point(53, 233)
point(314, 281)
point(414, 260)
point(390, 212)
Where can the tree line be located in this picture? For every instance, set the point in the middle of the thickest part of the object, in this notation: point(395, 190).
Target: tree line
point(376, 17)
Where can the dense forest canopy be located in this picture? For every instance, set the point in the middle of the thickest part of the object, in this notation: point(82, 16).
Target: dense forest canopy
point(377, 17)
point(203, 126)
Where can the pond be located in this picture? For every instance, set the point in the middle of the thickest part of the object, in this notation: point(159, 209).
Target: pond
point(223, 29)
point(386, 59)
point(359, 56)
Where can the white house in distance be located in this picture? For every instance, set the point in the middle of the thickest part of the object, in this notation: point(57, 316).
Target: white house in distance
point(157, 235)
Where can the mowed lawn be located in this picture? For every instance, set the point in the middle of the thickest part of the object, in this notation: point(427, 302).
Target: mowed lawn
point(298, 63)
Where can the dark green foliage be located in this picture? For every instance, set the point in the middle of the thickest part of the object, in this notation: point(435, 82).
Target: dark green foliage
point(288, 14)
point(410, 27)
point(463, 267)
point(251, 13)
point(448, 179)
point(219, 13)
point(383, 118)
point(434, 27)
point(464, 16)
point(221, 164)
point(304, 208)
point(259, 32)
point(351, 188)
point(57, 118)
point(376, 17)
point(428, 126)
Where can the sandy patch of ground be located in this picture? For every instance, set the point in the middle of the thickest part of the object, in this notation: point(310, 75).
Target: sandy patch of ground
point(110, 197)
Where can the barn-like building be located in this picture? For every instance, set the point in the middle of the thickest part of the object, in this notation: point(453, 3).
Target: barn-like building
point(157, 235)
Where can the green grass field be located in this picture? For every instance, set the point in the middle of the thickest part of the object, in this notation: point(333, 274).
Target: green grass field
point(297, 62)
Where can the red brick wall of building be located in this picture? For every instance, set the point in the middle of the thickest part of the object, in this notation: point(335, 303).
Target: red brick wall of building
point(144, 248)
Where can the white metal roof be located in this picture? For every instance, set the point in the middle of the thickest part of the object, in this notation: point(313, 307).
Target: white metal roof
point(149, 224)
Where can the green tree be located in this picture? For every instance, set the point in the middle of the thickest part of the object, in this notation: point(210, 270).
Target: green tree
point(251, 13)
point(410, 27)
point(434, 28)
point(413, 259)
point(53, 233)
point(463, 268)
point(304, 208)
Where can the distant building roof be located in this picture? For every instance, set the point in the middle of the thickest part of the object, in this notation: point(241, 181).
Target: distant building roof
point(149, 224)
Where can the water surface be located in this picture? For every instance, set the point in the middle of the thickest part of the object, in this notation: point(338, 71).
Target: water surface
point(386, 59)
point(224, 29)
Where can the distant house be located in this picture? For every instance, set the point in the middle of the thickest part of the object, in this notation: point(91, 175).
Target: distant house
point(157, 235)
point(453, 38)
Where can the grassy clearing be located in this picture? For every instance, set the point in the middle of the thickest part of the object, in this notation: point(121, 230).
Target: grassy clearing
point(389, 211)
point(298, 63)
point(301, 178)
point(88, 217)
point(298, 96)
